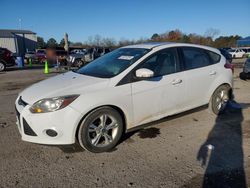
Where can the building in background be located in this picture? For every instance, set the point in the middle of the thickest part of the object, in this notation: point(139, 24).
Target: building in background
point(18, 41)
point(244, 42)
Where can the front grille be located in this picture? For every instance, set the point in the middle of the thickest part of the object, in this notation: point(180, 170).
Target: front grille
point(27, 129)
point(22, 102)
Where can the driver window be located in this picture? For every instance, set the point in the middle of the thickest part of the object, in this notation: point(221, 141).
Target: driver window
point(163, 62)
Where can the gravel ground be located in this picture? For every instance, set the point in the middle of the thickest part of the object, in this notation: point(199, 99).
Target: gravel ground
point(194, 149)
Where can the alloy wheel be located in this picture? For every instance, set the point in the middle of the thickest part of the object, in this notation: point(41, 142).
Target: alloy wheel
point(221, 100)
point(103, 130)
point(2, 66)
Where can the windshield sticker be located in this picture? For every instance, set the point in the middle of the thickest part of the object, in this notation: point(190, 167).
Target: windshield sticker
point(126, 57)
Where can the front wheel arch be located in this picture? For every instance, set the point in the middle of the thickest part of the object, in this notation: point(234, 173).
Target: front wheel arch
point(4, 64)
point(119, 110)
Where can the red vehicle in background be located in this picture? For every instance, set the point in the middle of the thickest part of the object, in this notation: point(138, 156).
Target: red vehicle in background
point(40, 55)
point(6, 59)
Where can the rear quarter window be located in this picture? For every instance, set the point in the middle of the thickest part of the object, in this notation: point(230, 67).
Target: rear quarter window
point(215, 58)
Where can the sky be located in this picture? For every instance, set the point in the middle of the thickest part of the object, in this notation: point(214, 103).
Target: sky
point(124, 19)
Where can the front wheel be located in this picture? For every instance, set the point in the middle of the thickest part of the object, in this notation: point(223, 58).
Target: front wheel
point(78, 63)
point(101, 130)
point(219, 99)
point(2, 66)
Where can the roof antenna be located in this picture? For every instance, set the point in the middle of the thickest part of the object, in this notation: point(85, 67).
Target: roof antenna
point(20, 23)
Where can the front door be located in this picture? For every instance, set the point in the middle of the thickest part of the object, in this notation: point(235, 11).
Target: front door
point(164, 93)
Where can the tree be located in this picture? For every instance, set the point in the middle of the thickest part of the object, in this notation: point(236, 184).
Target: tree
point(211, 32)
point(62, 43)
point(155, 37)
point(185, 38)
point(40, 42)
point(174, 35)
point(226, 41)
point(52, 42)
point(108, 42)
point(97, 40)
point(77, 44)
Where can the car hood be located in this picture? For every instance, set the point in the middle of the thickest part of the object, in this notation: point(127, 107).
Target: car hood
point(64, 84)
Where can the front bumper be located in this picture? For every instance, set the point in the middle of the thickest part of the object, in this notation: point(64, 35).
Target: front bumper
point(33, 127)
point(10, 62)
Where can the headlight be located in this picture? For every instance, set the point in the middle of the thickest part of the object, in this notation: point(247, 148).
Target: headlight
point(52, 104)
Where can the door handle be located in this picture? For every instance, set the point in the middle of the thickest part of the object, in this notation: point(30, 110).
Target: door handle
point(212, 73)
point(176, 81)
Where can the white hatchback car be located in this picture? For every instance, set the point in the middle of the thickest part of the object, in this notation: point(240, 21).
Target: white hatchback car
point(236, 53)
point(121, 90)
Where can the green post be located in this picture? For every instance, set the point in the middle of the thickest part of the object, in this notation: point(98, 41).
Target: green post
point(30, 62)
point(46, 67)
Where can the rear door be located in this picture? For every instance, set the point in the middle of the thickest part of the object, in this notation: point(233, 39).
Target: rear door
point(200, 74)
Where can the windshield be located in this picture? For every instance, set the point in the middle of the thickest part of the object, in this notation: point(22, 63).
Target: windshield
point(113, 63)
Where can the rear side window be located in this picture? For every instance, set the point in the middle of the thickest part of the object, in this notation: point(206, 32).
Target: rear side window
point(195, 58)
point(215, 58)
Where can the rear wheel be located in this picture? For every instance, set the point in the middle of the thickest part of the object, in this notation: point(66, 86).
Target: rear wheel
point(219, 99)
point(243, 76)
point(2, 66)
point(101, 130)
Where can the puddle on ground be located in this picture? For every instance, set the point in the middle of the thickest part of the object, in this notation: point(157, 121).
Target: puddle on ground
point(149, 133)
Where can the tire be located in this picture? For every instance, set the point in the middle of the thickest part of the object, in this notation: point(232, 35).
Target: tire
point(78, 63)
point(97, 137)
point(219, 99)
point(234, 57)
point(2, 66)
point(243, 76)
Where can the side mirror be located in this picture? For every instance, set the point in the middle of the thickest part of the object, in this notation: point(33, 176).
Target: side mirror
point(144, 73)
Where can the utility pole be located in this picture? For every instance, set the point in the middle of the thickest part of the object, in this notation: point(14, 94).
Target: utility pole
point(20, 23)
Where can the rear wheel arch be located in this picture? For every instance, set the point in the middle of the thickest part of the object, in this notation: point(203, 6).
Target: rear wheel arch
point(227, 85)
point(215, 101)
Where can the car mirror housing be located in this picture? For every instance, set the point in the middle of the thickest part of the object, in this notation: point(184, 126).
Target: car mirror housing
point(144, 73)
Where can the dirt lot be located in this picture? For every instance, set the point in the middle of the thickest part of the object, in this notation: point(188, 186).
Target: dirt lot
point(165, 154)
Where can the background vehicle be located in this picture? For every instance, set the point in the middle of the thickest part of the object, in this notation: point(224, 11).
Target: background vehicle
point(236, 53)
point(61, 56)
point(120, 91)
point(246, 70)
point(40, 55)
point(100, 52)
point(93, 53)
point(6, 59)
point(30, 55)
point(80, 58)
point(247, 51)
point(226, 48)
point(226, 54)
point(75, 57)
point(78, 51)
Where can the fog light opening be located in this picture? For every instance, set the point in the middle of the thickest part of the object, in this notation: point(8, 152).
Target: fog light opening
point(51, 133)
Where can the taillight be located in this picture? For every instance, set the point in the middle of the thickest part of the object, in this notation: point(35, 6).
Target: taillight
point(229, 66)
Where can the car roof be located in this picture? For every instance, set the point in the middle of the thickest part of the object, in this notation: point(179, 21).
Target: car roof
point(148, 45)
point(151, 45)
